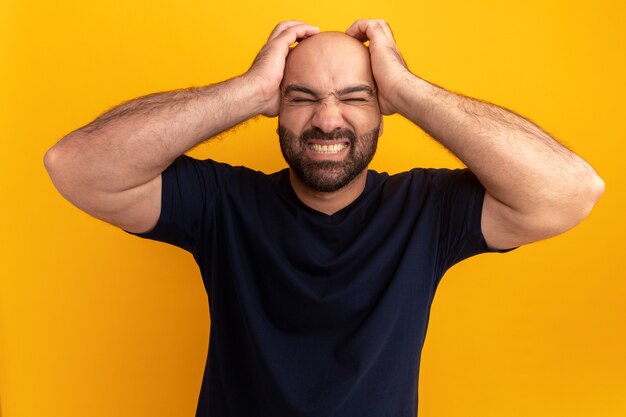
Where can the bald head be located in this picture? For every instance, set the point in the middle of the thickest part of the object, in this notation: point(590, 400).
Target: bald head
point(331, 44)
point(330, 59)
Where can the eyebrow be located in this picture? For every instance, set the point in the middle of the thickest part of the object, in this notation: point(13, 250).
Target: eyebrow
point(296, 87)
point(352, 89)
point(356, 88)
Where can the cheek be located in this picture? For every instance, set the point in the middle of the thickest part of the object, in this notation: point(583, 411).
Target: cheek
point(362, 119)
point(295, 118)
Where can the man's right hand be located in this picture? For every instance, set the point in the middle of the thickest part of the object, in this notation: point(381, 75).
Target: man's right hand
point(112, 167)
point(269, 65)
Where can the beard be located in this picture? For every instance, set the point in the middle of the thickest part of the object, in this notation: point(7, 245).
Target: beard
point(327, 176)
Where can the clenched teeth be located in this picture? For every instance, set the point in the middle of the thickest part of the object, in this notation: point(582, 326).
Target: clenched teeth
point(328, 148)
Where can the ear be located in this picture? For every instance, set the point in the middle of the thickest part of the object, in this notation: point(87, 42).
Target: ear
point(380, 126)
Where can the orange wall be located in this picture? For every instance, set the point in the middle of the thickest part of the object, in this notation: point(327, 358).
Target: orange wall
point(95, 322)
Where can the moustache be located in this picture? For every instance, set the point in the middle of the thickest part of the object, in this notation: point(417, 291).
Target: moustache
point(317, 133)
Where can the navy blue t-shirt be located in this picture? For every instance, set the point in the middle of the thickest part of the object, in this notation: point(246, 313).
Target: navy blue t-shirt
point(313, 314)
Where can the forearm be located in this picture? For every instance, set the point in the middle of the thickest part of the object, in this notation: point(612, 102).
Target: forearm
point(134, 142)
point(519, 164)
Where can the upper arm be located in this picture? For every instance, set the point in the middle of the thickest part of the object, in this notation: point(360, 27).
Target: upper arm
point(136, 209)
point(461, 197)
point(504, 228)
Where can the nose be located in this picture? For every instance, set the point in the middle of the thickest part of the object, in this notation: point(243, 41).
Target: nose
point(327, 116)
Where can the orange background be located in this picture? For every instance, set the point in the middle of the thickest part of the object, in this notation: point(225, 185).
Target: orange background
point(96, 322)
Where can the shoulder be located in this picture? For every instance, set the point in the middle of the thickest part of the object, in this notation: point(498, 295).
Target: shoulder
point(215, 170)
point(433, 179)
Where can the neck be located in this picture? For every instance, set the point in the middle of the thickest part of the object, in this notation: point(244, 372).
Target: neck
point(329, 203)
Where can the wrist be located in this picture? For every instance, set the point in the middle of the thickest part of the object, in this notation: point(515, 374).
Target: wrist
point(413, 95)
point(250, 94)
point(401, 96)
point(264, 97)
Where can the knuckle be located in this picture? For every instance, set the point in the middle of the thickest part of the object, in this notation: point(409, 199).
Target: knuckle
point(285, 33)
point(282, 25)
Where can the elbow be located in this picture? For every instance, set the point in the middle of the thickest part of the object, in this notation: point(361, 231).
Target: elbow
point(578, 207)
point(555, 212)
point(589, 192)
point(55, 161)
point(596, 189)
point(51, 161)
point(60, 156)
point(569, 210)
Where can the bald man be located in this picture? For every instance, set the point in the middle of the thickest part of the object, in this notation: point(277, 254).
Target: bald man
point(320, 277)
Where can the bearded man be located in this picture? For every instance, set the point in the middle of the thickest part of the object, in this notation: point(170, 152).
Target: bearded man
point(320, 277)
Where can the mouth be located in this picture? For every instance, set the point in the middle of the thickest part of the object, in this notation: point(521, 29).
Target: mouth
point(325, 148)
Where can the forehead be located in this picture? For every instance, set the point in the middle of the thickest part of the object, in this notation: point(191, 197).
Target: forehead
point(328, 62)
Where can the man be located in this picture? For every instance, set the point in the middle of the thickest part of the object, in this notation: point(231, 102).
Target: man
point(320, 277)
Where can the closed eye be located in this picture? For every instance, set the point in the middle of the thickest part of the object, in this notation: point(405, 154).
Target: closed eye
point(356, 101)
point(302, 100)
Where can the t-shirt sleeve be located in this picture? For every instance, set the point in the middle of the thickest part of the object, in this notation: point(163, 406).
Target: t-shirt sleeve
point(188, 192)
point(461, 199)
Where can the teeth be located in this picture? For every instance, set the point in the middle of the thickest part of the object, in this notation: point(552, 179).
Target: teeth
point(328, 148)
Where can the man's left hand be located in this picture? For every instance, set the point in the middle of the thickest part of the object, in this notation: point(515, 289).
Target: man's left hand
point(389, 69)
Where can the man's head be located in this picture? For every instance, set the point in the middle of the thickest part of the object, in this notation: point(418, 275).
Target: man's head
point(329, 120)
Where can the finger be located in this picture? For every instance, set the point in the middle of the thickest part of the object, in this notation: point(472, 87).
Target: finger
point(358, 30)
point(376, 30)
point(282, 26)
point(297, 33)
point(384, 26)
